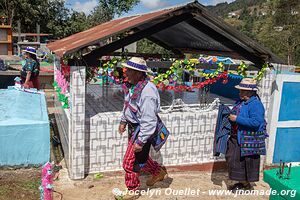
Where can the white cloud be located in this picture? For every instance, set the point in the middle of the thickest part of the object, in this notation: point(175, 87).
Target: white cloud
point(85, 7)
point(153, 3)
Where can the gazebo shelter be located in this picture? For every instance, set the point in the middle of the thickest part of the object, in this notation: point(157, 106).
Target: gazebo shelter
point(184, 29)
point(88, 129)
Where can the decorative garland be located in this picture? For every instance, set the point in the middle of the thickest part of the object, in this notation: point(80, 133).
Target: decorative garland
point(262, 72)
point(241, 70)
point(169, 80)
point(172, 77)
point(61, 86)
point(197, 85)
point(65, 68)
point(108, 73)
point(176, 71)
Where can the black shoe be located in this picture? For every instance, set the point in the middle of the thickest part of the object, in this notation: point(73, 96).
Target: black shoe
point(248, 186)
point(240, 186)
point(236, 187)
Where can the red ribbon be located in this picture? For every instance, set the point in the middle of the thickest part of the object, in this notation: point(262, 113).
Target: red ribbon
point(198, 85)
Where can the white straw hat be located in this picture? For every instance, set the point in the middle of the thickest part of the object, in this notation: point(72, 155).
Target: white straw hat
point(247, 84)
point(135, 63)
point(30, 50)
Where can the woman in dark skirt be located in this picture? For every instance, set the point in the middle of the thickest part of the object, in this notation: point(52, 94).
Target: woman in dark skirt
point(31, 69)
point(247, 139)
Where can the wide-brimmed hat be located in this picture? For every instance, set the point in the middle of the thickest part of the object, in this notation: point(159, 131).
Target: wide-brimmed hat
point(135, 63)
point(247, 84)
point(30, 50)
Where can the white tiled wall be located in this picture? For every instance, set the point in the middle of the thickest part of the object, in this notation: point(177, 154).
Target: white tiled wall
point(190, 142)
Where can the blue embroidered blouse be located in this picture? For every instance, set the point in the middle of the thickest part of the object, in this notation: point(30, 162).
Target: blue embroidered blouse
point(251, 117)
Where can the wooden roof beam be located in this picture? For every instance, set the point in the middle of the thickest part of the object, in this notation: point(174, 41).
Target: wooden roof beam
point(170, 21)
point(164, 45)
point(144, 55)
point(206, 29)
point(231, 54)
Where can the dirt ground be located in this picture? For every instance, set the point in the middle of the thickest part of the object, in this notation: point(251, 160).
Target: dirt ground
point(20, 184)
point(101, 189)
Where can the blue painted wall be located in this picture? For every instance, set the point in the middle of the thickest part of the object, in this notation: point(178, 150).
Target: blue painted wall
point(24, 128)
point(226, 90)
point(290, 102)
point(287, 145)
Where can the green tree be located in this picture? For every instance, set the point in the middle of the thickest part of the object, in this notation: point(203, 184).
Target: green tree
point(77, 22)
point(107, 9)
point(23, 10)
point(51, 15)
point(287, 16)
point(55, 18)
point(278, 29)
point(8, 9)
point(146, 46)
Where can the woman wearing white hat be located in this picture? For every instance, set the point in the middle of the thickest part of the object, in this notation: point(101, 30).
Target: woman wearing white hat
point(247, 139)
point(142, 103)
point(30, 70)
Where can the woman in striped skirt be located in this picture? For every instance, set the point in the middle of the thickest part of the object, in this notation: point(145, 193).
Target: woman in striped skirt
point(247, 139)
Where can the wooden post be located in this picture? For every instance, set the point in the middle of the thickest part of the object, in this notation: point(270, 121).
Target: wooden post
point(38, 32)
point(19, 37)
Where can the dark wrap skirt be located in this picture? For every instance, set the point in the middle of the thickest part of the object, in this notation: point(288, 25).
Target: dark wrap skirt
point(241, 168)
point(142, 156)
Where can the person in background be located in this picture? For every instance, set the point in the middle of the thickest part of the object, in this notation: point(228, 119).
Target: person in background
point(247, 138)
point(142, 103)
point(31, 69)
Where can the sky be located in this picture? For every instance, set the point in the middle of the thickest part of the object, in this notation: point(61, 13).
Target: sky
point(144, 6)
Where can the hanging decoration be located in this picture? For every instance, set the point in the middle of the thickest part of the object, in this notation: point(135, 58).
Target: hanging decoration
point(124, 74)
point(262, 72)
point(197, 85)
point(176, 72)
point(46, 187)
point(172, 79)
point(242, 68)
point(65, 69)
point(108, 73)
point(61, 87)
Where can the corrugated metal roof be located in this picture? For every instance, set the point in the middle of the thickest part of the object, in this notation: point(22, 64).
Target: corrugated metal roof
point(183, 29)
point(94, 35)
